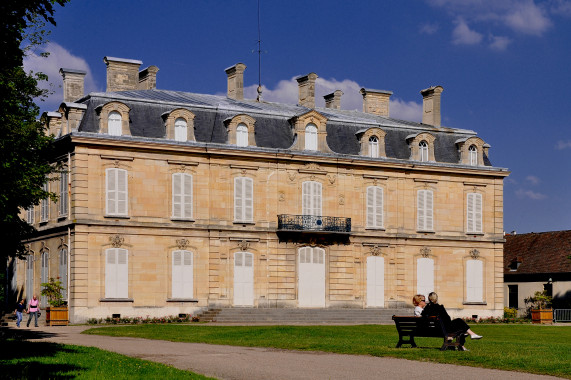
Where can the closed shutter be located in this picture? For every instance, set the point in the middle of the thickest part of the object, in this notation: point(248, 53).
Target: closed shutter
point(425, 210)
point(180, 129)
point(44, 273)
point(243, 199)
point(30, 215)
point(248, 200)
point(63, 271)
point(474, 213)
point(474, 281)
point(114, 127)
point(310, 137)
point(182, 275)
point(311, 198)
point(238, 198)
point(62, 202)
point(45, 206)
point(182, 196)
point(117, 273)
point(425, 276)
point(29, 277)
point(242, 135)
point(375, 207)
point(116, 191)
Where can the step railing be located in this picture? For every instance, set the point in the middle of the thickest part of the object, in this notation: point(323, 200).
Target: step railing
point(562, 315)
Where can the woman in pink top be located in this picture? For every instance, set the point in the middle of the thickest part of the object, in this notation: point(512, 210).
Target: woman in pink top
point(33, 308)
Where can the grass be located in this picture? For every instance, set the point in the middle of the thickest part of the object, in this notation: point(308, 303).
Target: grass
point(525, 348)
point(40, 360)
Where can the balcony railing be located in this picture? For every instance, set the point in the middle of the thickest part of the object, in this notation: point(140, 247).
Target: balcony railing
point(313, 223)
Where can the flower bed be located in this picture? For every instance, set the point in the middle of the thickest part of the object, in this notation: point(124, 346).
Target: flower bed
point(141, 320)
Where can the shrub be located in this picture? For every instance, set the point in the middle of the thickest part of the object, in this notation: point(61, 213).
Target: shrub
point(510, 313)
point(52, 289)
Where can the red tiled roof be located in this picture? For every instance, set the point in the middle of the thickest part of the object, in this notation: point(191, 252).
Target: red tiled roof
point(543, 252)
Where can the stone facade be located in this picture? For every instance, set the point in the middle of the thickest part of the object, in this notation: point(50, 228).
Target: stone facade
point(150, 233)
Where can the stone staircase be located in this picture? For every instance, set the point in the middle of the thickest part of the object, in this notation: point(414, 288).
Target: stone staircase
point(272, 316)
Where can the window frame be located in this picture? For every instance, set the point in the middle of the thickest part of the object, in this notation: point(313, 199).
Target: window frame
point(425, 210)
point(63, 195)
point(474, 213)
point(180, 129)
point(243, 205)
point(373, 208)
point(183, 288)
point(242, 135)
point(114, 124)
point(423, 151)
point(116, 275)
point(186, 194)
point(312, 198)
point(118, 172)
point(45, 206)
point(311, 139)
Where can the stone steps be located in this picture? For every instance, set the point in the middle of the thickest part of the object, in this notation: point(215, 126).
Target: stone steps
point(303, 316)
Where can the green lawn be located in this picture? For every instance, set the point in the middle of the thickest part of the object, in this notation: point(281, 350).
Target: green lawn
point(526, 348)
point(40, 360)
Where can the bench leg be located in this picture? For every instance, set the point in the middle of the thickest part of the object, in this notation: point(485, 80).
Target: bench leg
point(406, 341)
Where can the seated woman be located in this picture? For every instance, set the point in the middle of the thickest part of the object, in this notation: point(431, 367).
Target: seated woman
point(419, 303)
point(434, 309)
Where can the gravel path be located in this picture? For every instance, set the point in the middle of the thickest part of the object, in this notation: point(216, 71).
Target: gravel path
point(228, 362)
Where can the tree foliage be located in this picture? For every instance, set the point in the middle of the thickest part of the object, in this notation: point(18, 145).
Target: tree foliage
point(27, 154)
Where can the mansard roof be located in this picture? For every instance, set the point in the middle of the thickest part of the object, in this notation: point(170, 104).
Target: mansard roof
point(274, 122)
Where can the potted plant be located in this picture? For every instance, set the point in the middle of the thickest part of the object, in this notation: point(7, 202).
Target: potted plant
point(540, 304)
point(57, 313)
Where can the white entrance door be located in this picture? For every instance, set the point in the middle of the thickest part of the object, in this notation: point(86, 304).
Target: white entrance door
point(243, 279)
point(311, 281)
point(375, 281)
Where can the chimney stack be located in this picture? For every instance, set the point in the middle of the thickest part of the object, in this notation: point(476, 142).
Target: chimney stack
point(148, 78)
point(431, 105)
point(376, 102)
point(73, 84)
point(306, 85)
point(333, 100)
point(122, 74)
point(236, 81)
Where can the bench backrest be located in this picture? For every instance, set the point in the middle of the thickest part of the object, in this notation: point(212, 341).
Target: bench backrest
point(425, 327)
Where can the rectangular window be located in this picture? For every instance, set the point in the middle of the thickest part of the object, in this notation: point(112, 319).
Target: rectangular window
point(311, 198)
point(425, 210)
point(30, 212)
point(182, 275)
point(181, 196)
point(474, 281)
point(116, 193)
point(425, 276)
point(513, 296)
point(474, 213)
point(243, 199)
point(29, 277)
point(45, 206)
point(44, 276)
point(374, 207)
point(116, 273)
point(63, 271)
point(62, 201)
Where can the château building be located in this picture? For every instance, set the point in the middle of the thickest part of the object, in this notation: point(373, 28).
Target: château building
point(173, 202)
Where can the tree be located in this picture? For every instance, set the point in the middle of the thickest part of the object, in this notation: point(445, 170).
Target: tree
point(27, 154)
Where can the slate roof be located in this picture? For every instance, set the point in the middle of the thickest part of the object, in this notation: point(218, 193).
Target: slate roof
point(274, 126)
point(544, 252)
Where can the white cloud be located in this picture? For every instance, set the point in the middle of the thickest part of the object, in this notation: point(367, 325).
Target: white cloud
point(563, 144)
point(428, 28)
point(499, 43)
point(463, 35)
point(59, 57)
point(528, 194)
point(286, 91)
point(532, 179)
point(527, 18)
point(561, 7)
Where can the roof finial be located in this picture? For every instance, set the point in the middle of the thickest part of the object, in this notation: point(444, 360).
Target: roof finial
point(259, 98)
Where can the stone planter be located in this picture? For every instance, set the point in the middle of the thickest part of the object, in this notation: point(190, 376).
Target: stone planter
point(543, 316)
point(57, 316)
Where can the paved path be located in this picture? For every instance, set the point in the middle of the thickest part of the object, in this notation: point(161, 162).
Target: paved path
point(228, 362)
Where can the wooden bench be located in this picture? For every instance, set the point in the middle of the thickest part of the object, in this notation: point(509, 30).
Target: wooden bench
point(408, 327)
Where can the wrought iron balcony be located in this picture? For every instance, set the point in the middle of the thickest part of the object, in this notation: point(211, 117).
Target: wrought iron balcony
point(312, 223)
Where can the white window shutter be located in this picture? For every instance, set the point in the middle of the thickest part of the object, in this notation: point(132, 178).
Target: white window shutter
point(478, 213)
point(116, 191)
point(421, 210)
point(425, 276)
point(122, 273)
point(62, 202)
point(122, 192)
point(378, 207)
point(316, 198)
point(45, 206)
point(429, 210)
point(180, 129)
point(238, 198)
point(114, 124)
point(474, 281)
point(371, 206)
point(188, 275)
point(111, 273)
point(239, 259)
point(177, 274)
point(470, 212)
point(248, 199)
point(305, 195)
point(242, 135)
point(111, 191)
point(63, 271)
point(187, 196)
point(177, 195)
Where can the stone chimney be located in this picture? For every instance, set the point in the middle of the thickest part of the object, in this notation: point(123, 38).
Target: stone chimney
point(236, 81)
point(376, 101)
point(431, 105)
point(122, 74)
point(306, 85)
point(73, 84)
point(333, 100)
point(148, 78)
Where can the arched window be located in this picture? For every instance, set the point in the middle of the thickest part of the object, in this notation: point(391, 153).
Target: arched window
point(423, 151)
point(473, 154)
point(310, 137)
point(374, 146)
point(114, 122)
point(180, 130)
point(242, 135)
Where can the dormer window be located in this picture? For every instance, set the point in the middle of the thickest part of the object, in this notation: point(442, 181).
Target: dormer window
point(180, 129)
point(473, 155)
point(242, 135)
point(310, 137)
point(114, 124)
point(373, 147)
point(423, 151)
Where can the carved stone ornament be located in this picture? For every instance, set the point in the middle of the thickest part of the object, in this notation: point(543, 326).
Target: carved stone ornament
point(341, 199)
point(475, 254)
point(244, 245)
point(291, 176)
point(61, 242)
point(116, 163)
point(243, 171)
point(375, 182)
point(312, 177)
point(116, 241)
point(182, 244)
point(425, 252)
point(43, 246)
point(311, 166)
point(331, 178)
point(281, 196)
point(375, 250)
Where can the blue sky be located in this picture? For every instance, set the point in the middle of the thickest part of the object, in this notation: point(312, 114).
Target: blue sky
point(504, 65)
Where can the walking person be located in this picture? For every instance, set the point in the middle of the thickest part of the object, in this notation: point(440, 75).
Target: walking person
point(33, 309)
point(20, 307)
